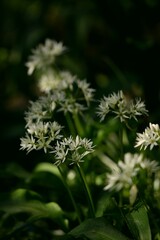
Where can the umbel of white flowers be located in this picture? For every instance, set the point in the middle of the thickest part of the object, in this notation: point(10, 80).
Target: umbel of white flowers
point(62, 92)
point(125, 174)
point(149, 138)
point(72, 150)
point(44, 55)
point(121, 107)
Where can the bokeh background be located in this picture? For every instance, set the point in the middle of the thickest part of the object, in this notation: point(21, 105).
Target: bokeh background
point(114, 44)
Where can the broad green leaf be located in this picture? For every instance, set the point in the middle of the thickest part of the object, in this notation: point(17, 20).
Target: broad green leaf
point(138, 223)
point(47, 175)
point(47, 167)
point(22, 194)
point(97, 229)
point(19, 202)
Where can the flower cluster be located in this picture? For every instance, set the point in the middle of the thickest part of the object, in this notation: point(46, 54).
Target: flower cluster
point(40, 110)
point(41, 135)
point(66, 93)
point(126, 174)
point(72, 150)
point(74, 91)
point(44, 55)
point(69, 93)
point(150, 137)
point(121, 107)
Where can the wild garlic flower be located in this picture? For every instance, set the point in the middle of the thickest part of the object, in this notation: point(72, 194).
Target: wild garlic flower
point(72, 150)
point(41, 136)
point(40, 110)
point(121, 107)
point(77, 94)
point(48, 81)
point(53, 81)
point(127, 172)
point(71, 105)
point(149, 138)
point(44, 55)
point(87, 91)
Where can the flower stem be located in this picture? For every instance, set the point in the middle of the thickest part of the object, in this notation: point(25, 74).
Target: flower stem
point(87, 191)
point(121, 141)
point(70, 194)
point(78, 125)
point(70, 124)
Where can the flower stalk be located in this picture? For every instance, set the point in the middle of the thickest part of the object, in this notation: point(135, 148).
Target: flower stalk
point(70, 194)
point(87, 191)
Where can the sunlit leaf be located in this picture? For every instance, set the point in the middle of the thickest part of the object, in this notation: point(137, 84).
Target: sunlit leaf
point(47, 167)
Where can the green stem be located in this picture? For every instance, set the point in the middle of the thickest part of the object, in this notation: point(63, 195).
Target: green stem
point(70, 194)
point(121, 141)
point(78, 125)
point(87, 191)
point(70, 124)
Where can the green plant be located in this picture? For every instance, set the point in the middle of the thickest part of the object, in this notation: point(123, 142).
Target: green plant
point(92, 184)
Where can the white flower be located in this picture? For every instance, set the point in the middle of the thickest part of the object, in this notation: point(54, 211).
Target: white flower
point(87, 91)
point(136, 109)
point(41, 135)
point(72, 149)
point(40, 110)
point(121, 107)
point(149, 138)
point(128, 171)
point(122, 177)
point(28, 143)
point(44, 55)
point(48, 81)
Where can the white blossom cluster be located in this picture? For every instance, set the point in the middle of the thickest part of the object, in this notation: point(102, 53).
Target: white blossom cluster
point(40, 110)
point(121, 107)
point(126, 174)
point(72, 149)
point(62, 92)
point(149, 138)
point(75, 92)
point(41, 135)
point(44, 55)
point(72, 94)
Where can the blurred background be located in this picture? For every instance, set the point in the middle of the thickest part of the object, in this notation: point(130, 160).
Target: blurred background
point(114, 44)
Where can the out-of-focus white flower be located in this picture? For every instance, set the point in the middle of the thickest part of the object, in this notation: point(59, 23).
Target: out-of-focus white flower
point(128, 172)
point(87, 91)
point(48, 81)
point(44, 55)
point(122, 177)
point(40, 110)
point(149, 138)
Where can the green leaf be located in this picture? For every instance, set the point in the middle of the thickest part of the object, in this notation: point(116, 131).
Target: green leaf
point(22, 194)
point(47, 167)
point(25, 201)
point(47, 175)
point(138, 223)
point(97, 229)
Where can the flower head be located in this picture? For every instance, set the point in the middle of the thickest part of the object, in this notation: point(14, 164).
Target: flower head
point(44, 55)
point(41, 136)
point(72, 149)
point(128, 171)
point(40, 110)
point(121, 107)
point(149, 138)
